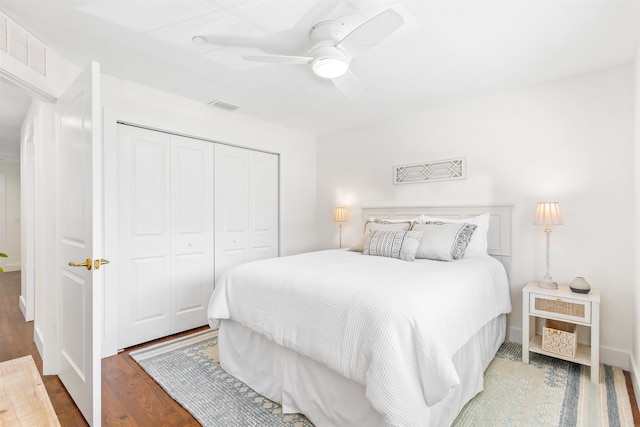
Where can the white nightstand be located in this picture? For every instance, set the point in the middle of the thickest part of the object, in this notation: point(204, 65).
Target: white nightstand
point(564, 305)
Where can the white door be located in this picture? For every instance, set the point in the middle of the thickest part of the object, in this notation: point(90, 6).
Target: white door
point(246, 206)
point(165, 233)
point(192, 264)
point(79, 240)
point(144, 235)
point(263, 205)
point(232, 207)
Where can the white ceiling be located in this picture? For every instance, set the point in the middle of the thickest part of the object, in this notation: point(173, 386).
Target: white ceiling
point(446, 51)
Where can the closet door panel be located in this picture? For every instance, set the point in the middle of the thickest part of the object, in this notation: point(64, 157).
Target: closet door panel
point(146, 279)
point(232, 207)
point(192, 231)
point(144, 235)
point(263, 205)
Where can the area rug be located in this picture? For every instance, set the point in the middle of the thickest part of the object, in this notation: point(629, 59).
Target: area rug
point(188, 369)
point(546, 392)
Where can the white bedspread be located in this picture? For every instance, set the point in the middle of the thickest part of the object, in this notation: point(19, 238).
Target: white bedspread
point(387, 324)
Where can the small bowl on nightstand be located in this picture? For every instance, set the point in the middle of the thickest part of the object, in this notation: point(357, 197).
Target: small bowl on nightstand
point(579, 285)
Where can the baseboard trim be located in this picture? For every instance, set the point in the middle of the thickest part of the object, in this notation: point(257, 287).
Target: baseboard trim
point(37, 338)
point(23, 307)
point(635, 377)
point(608, 356)
point(13, 267)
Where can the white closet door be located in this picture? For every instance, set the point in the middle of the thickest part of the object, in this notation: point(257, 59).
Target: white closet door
point(192, 231)
point(263, 205)
point(232, 207)
point(144, 255)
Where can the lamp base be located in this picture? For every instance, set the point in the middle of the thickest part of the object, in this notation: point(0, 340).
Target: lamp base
point(547, 284)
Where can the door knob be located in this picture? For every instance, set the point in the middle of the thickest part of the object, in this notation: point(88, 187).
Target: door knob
point(88, 263)
point(97, 263)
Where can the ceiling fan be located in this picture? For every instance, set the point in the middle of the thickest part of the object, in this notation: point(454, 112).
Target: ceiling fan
point(334, 46)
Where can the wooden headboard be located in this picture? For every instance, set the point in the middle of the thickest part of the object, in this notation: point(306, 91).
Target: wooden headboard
point(498, 237)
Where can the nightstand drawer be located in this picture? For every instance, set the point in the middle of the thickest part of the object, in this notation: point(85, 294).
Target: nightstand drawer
point(560, 308)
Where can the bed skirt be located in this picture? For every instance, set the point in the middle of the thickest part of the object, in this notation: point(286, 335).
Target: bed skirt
point(327, 398)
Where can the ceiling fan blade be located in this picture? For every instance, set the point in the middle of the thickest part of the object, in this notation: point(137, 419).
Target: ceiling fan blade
point(371, 32)
point(233, 41)
point(282, 59)
point(348, 84)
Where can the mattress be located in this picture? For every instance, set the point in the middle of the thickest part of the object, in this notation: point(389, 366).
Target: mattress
point(303, 385)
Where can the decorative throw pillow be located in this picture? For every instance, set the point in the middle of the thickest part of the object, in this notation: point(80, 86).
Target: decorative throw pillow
point(393, 244)
point(379, 224)
point(443, 241)
point(478, 243)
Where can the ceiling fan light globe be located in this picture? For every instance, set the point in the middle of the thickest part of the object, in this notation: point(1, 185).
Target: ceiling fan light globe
point(330, 68)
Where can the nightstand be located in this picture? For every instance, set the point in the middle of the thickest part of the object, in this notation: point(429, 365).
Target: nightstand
point(566, 306)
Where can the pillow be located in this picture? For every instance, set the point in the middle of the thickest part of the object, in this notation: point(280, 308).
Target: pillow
point(478, 243)
point(393, 244)
point(378, 224)
point(443, 241)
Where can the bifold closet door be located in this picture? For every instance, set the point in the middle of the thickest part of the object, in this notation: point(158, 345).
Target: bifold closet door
point(165, 237)
point(263, 205)
point(246, 206)
point(192, 260)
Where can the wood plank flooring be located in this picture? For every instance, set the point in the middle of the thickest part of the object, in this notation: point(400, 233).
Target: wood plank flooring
point(129, 396)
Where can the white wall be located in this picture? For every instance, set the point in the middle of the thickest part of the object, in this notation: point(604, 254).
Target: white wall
point(11, 244)
point(635, 355)
point(569, 141)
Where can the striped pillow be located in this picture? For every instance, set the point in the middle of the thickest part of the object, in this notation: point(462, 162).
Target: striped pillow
point(443, 241)
point(393, 244)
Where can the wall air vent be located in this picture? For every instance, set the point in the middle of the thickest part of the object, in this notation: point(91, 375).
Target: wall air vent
point(22, 46)
point(223, 105)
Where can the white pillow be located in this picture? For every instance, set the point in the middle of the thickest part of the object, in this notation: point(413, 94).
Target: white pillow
point(478, 243)
point(393, 244)
point(383, 225)
point(443, 241)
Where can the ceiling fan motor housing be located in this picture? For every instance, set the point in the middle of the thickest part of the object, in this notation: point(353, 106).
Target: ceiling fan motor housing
point(329, 60)
point(328, 31)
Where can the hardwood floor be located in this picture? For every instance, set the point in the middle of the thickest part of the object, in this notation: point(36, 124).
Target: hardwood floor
point(129, 396)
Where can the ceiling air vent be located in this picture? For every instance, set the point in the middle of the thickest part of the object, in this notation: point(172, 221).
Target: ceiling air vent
point(22, 45)
point(223, 105)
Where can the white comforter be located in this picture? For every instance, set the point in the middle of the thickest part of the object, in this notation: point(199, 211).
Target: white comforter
point(387, 324)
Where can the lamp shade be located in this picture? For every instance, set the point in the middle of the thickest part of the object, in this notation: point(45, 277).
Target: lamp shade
point(548, 213)
point(340, 214)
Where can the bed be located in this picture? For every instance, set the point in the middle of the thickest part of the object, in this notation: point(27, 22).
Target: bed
point(350, 339)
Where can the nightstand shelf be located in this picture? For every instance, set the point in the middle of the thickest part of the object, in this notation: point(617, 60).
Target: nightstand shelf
point(562, 305)
point(583, 352)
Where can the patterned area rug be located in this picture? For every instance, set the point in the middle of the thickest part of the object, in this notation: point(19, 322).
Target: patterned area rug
point(546, 392)
point(189, 370)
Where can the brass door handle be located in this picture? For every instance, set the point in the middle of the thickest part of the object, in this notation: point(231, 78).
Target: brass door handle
point(97, 263)
point(88, 263)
